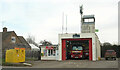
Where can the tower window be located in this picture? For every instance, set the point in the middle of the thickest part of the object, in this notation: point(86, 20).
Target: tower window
point(88, 20)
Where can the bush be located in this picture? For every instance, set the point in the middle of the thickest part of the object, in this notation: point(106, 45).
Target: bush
point(42, 54)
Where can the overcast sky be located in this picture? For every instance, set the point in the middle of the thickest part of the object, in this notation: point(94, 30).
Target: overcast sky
point(43, 18)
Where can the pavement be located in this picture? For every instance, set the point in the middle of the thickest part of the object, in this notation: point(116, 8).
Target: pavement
point(72, 64)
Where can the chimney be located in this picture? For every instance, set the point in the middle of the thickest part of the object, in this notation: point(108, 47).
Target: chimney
point(4, 29)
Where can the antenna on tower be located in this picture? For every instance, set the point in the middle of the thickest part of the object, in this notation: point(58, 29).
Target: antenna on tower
point(62, 22)
point(81, 10)
point(66, 23)
point(81, 13)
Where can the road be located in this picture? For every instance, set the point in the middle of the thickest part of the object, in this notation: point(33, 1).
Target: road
point(73, 64)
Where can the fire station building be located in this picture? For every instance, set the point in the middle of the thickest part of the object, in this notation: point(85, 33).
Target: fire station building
point(88, 39)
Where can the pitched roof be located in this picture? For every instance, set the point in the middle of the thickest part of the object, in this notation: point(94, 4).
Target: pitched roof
point(6, 34)
point(24, 42)
point(48, 45)
point(33, 47)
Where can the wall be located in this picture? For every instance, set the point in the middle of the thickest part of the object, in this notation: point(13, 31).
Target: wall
point(46, 57)
point(0, 50)
point(82, 35)
point(8, 41)
point(98, 48)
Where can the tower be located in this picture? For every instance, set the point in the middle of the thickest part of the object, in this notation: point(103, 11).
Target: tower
point(88, 24)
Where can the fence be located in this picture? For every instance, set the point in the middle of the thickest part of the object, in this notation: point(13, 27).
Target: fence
point(32, 55)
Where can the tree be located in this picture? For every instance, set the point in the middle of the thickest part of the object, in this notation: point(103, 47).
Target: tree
point(107, 44)
point(31, 40)
point(46, 43)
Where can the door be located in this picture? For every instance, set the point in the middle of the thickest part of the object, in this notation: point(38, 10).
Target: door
point(63, 49)
point(90, 49)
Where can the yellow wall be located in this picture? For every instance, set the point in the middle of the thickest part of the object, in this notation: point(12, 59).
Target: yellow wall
point(15, 55)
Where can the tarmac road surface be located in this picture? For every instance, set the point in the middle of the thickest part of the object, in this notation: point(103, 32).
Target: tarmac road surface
point(72, 64)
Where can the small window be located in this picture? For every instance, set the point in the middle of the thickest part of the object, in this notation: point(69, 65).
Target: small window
point(88, 20)
point(17, 51)
point(80, 48)
point(13, 39)
point(54, 52)
point(49, 52)
point(22, 51)
point(74, 48)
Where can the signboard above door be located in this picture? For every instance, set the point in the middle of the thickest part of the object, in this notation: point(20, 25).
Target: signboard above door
point(76, 36)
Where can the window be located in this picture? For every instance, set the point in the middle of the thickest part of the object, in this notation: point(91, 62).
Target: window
point(22, 51)
point(88, 20)
point(51, 52)
point(13, 39)
point(45, 52)
point(77, 48)
point(17, 51)
point(54, 52)
point(74, 48)
point(48, 52)
point(80, 48)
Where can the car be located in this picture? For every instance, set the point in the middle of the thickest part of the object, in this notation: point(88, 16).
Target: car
point(110, 54)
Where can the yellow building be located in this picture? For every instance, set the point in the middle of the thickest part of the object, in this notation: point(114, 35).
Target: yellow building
point(15, 55)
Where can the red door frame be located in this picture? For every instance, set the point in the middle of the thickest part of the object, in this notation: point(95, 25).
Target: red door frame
point(64, 47)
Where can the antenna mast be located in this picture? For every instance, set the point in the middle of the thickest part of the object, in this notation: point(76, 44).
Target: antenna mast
point(66, 23)
point(81, 12)
point(62, 22)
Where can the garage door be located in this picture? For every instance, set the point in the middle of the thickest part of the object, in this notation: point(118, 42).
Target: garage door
point(64, 47)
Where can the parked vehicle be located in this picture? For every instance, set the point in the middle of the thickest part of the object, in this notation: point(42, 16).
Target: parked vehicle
point(77, 52)
point(110, 54)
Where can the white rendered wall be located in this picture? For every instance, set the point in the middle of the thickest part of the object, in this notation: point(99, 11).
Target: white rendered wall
point(48, 57)
point(82, 35)
point(98, 48)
